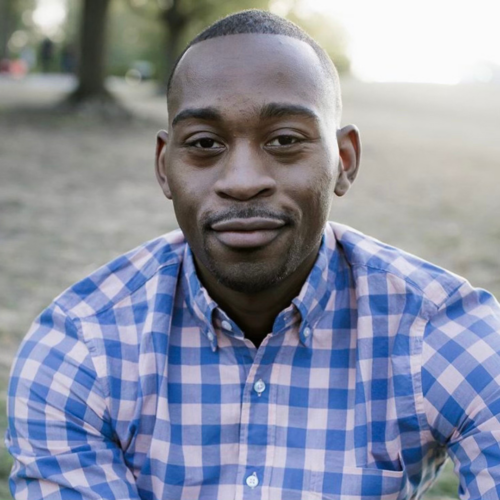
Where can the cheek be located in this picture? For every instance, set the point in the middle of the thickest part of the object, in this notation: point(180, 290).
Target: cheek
point(327, 191)
point(187, 188)
point(320, 193)
point(185, 198)
point(191, 199)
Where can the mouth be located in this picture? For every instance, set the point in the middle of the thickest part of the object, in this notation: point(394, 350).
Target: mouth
point(250, 232)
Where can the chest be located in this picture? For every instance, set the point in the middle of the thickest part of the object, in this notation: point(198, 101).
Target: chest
point(310, 421)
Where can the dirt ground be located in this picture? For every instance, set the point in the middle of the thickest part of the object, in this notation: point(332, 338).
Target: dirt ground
point(74, 192)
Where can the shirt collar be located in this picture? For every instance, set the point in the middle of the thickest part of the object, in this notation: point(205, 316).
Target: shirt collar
point(310, 304)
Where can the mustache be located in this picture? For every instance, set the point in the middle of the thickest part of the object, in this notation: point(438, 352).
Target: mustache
point(245, 213)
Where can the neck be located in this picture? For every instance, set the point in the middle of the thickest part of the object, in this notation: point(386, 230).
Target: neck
point(255, 313)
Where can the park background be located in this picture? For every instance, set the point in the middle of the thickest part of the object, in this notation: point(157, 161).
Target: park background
point(82, 97)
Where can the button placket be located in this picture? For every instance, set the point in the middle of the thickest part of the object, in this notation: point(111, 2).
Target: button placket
point(255, 410)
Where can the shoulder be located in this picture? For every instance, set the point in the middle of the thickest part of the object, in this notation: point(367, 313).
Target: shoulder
point(456, 336)
point(369, 256)
point(461, 368)
point(112, 311)
point(123, 276)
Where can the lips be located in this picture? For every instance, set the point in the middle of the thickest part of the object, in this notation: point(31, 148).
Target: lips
point(250, 232)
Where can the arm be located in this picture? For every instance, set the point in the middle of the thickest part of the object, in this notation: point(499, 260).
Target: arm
point(59, 431)
point(461, 386)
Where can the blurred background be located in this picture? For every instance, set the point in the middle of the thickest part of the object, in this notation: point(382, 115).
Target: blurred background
point(82, 97)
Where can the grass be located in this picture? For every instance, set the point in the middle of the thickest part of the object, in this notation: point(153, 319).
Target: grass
point(446, 486)
point(5, 458)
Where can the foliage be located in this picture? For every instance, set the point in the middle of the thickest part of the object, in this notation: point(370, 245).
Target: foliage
point(15, 19)
point(72, 22)
point(177, 21)
point(330, 35)
point(157, 30)
point(5, 464)
point(4, 491)
point(133, 36)
point(446, 485)
point(143, 30)
point(5, 458)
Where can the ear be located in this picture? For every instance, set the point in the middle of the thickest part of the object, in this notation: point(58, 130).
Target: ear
point(350, 154)
point(160, 163)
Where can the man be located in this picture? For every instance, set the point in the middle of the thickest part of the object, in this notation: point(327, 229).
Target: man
point(261, 353)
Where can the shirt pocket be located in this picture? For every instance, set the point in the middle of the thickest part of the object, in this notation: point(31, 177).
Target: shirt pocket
point(353, 483)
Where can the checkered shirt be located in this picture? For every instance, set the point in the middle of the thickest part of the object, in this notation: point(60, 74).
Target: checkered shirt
point(134, 384)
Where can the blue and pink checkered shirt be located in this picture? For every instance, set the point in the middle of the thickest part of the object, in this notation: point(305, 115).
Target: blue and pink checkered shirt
point(134, 384)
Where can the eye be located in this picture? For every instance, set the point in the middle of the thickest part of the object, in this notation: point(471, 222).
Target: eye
point(205, 143)
point(284, 140)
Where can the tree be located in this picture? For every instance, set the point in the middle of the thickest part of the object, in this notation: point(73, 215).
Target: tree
point(134, 36)
point(6, 18)
point(175, 19)
point(11, 19)
point(91, 95)
point(182, 19)
point(91, 67)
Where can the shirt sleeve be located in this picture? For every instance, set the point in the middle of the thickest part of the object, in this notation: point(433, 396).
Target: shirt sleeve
point(59, 430)
point(461, 387)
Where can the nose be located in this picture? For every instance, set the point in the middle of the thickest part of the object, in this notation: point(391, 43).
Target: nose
point(244, 175)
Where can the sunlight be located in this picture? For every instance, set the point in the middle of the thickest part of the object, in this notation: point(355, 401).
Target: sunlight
point(438, 41)
point(49, 15)
point(435, 41)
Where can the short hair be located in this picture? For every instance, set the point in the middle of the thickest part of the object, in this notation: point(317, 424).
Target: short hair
point(263, 22)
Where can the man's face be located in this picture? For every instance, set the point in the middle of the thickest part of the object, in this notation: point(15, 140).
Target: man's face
point(252, 159)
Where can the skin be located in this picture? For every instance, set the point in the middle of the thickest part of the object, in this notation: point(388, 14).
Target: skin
point(253, 136)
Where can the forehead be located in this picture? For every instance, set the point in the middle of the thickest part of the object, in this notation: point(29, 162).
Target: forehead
point(239, 72)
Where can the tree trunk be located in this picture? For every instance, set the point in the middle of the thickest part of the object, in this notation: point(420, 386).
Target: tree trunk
point(175, 22)
point(91, 96)
point(91, 67)
point(5, 27)
point(172, 49)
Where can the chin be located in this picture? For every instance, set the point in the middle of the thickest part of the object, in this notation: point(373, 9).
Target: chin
point(252, 272)
point(249, 278)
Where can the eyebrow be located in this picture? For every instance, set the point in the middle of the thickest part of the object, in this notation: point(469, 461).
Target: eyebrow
point(283, 110)
point(198, 113)
point(271, 110)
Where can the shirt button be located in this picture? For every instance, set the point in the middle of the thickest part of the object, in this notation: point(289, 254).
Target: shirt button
point(226, 325)
point(253, 480)
point(259, 386)
point(307, 332)
point(210, 336)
